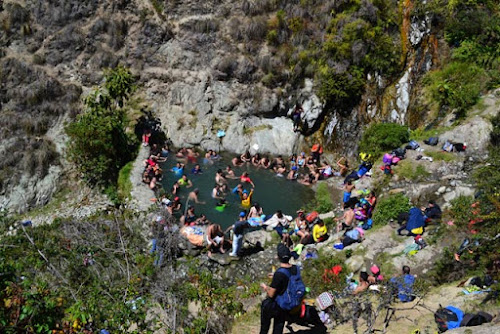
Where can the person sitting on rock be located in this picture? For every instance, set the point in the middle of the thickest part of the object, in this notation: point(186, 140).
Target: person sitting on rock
point(189, 219)
point(176, 204)
point(363, 283)
point(343, 165)
point(256, 159)
point(348, 188)
point(375, 276)
point(255, 211)
point(352, 236)
point(215, 239)
point(265, 163)
point(404, 285)
point(301, 160)
point(433, 211)
point(246, 157)
point(346, 220)
point(302, 229)
point(320, 231)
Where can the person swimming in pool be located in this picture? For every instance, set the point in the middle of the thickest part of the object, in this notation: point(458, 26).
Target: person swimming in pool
point(236, 161)
point(245, 178)
point(246, 199)
point(230, 173)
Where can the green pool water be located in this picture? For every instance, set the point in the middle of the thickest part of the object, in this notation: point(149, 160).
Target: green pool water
point(271, 192)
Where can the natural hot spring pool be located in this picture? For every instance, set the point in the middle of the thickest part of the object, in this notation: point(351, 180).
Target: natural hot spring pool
point(271, 192)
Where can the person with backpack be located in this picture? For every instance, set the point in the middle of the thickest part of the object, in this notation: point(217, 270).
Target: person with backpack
point(284, 295)
point(404, 285)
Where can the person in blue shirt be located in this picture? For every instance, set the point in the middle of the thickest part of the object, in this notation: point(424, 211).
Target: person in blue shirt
point(196, 170)
point(178, 169)
point(404, 285)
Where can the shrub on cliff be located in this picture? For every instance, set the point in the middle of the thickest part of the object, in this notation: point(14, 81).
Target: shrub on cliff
point(98, 144)
point(389, 208)
point(381, 137)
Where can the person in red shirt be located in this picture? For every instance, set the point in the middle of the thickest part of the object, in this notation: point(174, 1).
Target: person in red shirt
point(246, 178)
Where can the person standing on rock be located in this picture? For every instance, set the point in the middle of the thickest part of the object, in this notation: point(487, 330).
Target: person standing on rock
point(238, 231)
point(297, 111)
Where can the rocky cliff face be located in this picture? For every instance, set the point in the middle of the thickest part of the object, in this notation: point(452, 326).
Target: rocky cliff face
point(237, 66)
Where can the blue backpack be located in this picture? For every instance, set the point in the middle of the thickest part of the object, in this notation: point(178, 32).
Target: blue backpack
point(294, 293)
point(448, 318)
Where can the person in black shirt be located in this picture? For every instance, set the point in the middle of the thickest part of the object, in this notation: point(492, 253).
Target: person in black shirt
point(270, 308)
point(238, 230)
point(433, 211)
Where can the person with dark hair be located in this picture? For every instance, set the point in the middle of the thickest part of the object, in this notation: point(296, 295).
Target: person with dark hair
point(238, 231)
point(296, 118)
point(404, 285)
point(433, 211)
point(270, 308)
point(193, 196)
point(363, 283)
point(348, 188)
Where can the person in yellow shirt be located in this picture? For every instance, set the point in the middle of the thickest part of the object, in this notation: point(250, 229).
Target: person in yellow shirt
point(246, 199)
point(320, 232)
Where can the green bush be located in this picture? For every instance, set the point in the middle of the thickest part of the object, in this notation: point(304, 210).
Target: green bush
point(381, 137)
point(461, 211)
point(409, 171)
point(98, 143)
point(457, 86)
point(323, 199)
point(389, 208)
point(341, 89)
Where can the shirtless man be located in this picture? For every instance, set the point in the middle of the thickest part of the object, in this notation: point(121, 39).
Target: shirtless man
point(347, 218)
point(219, 178)
point(230, 173)
point(193, 196)
point(348, 188)
point(215, 238)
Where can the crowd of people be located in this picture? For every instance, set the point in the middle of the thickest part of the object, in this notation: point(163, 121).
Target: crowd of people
point(295, 233)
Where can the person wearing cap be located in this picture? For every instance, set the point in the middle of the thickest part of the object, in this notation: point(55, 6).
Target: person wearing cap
point(246, 199)
point(238, 231)
point(279, 284)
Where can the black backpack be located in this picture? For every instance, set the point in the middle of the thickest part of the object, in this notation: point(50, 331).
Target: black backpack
point(478, 319)
point(432, 141)
point(448, 318)
point(399, 152)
